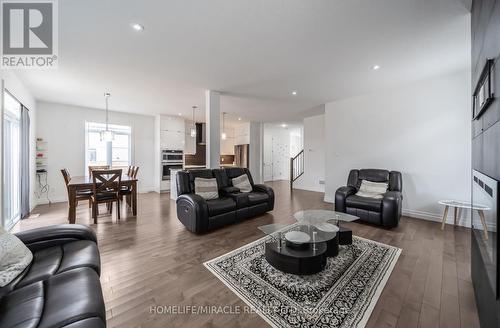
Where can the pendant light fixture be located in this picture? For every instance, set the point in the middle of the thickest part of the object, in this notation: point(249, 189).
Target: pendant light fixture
point(223, 134)
point(107, 135)
point(193, 128)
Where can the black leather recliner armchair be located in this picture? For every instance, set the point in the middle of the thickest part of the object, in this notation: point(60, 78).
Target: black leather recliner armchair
point(199, 215)
point(386, 211)
point(61, 286)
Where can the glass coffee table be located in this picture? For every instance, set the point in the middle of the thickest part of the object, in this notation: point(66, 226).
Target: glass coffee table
point(303, 247)
point(344, 234)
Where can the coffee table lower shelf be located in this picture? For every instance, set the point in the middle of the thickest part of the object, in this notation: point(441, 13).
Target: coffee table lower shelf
point(296, 261)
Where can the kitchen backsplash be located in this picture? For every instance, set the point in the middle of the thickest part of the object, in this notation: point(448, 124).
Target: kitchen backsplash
point(198, 158)
point(226, 159)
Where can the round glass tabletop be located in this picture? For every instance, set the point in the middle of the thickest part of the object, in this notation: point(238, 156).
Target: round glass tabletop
point(313, 226)
point(315, 216)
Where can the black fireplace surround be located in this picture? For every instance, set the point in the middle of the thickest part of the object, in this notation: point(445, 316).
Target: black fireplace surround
point(485, 22)
point(199, 215)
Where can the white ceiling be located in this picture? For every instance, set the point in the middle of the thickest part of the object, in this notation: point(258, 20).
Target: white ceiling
point(254, 51)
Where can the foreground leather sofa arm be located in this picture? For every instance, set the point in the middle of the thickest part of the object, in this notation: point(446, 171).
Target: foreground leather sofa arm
point(192, 211)
point(391, 208)
point(55, 235)
point(267, 190)
point(340, 197)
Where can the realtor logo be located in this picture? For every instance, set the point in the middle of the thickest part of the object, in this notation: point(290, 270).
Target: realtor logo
point(29, 34)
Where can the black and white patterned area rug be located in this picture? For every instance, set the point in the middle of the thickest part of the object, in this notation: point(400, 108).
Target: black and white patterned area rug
point(342, 295)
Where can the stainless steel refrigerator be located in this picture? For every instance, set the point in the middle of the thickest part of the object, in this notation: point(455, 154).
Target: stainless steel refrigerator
point(241, 155)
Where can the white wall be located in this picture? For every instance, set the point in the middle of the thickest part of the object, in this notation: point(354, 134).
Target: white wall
point(15, 86)
point(314, 155)
point(63, 128)
point(422, 130)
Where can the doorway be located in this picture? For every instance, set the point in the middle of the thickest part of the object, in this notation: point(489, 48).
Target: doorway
point(281, 142)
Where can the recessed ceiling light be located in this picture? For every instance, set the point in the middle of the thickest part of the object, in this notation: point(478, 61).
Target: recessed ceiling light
point(376, 67)
point(283, 125)
point(239, 118)
point(180, 114)
point(294, 93)
point(137, 27)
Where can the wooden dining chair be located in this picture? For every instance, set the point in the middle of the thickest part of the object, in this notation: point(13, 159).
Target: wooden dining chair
point(106, 185)
point(127, 190)
point(97, 167)
point(80, 194)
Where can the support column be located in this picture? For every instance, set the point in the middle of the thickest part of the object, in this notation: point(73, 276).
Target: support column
point(212, 117)
point(255, 156)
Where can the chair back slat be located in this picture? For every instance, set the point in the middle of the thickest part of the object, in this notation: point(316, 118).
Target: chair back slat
point(108, 181)
point(97, 167)
point(134, 172)
point(66, 176)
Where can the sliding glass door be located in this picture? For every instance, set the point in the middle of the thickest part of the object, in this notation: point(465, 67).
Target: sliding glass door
point(12, 160)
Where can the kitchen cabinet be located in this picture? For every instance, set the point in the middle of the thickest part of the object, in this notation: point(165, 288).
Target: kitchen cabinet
point(172, 132)
point(172, 140)
point(227, 146)
point(172, 123)
point(190, 142)
point(242, 134)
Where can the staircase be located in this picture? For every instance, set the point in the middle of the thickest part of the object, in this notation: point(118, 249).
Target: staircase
point(296, 167)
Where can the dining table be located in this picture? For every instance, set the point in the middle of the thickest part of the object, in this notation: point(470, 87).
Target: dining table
point(78, 183)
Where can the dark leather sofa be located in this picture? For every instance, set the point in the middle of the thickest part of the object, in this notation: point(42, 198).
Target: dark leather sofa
point(199, 215)
point(61, 287)
point(386, 211)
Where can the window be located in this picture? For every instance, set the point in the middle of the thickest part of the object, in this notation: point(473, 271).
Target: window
point(116, 153)
point(12, 160)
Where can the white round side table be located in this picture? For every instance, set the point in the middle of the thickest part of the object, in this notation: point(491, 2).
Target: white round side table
point(457, 204)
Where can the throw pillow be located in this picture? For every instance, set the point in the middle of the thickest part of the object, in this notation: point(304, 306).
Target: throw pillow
point(206, 188)
point(14, 257)
point(372, 189)
point(242, 183)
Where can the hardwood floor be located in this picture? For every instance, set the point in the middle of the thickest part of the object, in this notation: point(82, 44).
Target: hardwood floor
point(152, 260)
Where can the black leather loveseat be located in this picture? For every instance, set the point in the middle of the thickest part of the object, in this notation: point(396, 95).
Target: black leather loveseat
point(61, 287)
point(200, 215)
point(386, 211)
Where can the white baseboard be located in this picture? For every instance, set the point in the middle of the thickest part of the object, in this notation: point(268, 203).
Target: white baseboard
point(144, 190)
point(44, 201)
point(463, 221)
point(309, 188)
point(327, 199)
